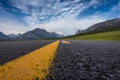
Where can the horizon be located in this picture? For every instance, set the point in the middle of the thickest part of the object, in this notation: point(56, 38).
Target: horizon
point(60, 16)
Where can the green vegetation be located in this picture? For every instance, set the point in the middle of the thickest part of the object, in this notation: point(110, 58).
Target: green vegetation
point(113, 35)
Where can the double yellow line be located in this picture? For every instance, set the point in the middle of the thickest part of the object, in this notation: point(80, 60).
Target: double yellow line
point(33, 66)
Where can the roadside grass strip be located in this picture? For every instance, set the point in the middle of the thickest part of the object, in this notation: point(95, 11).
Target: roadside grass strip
point(33, 66)
point(65, 42)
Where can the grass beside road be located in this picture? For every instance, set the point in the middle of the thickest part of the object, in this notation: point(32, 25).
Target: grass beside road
point(113, 35)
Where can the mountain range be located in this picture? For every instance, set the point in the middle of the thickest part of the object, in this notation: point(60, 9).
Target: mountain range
point(31, 35)
point(106, 26)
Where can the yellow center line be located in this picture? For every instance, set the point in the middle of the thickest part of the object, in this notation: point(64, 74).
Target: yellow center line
point(33, 66)
point(65, 42)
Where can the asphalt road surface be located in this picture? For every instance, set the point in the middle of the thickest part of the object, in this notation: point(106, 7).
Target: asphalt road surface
point(77, 60)
point(14, 49)
point(86, 60)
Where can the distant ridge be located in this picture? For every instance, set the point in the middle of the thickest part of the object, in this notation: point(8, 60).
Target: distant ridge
point(39, 34)
point(110, 25)
point(31, 35)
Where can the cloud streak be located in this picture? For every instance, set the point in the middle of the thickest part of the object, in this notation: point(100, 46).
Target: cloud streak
point(45, 10)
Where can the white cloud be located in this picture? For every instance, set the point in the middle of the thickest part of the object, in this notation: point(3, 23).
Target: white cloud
point(69, 27)
point(8, 27)
point(40, 9)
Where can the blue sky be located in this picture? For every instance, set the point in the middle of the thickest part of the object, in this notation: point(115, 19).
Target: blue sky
point(62, 16)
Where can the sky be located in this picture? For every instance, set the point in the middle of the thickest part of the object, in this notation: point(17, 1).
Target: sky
point(61, 16)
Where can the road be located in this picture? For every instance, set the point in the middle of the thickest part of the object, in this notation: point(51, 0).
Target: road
point(86, 60)
point(61, 60)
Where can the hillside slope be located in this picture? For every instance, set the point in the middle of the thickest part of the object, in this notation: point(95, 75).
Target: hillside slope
point(113, 35)
point(110, 25)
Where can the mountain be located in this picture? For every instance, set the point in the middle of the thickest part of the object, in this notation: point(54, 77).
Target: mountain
point(110, 25)
point(31, 35)
point(38, 34)
point(3, 36)
point(13, 36)
point(80, 31)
